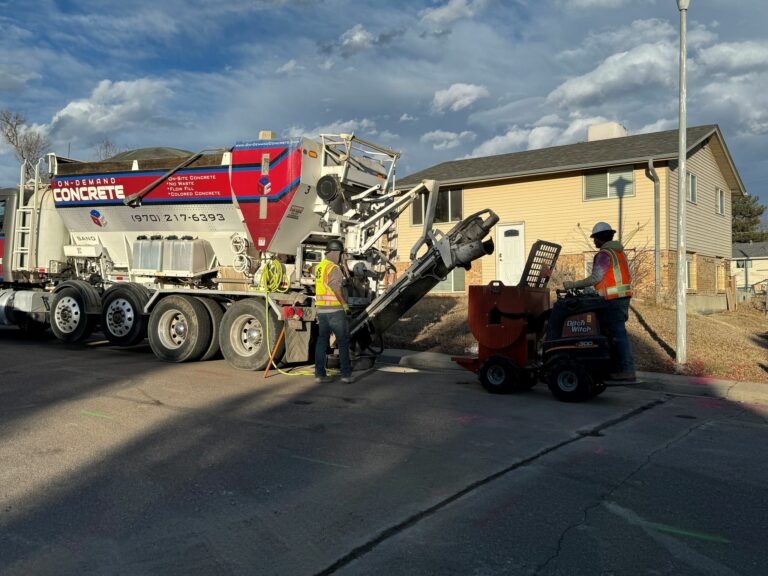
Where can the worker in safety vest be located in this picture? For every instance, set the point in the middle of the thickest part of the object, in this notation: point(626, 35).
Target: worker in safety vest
point(331, 305)
point(611, 279)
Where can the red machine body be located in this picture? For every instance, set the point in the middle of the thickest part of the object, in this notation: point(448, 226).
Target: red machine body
point(503, 320)
point(508, 324)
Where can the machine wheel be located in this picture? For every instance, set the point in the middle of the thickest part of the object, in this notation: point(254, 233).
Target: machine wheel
point(215, 313)
point(568, 381)
point(499, 375)
point(69, 320)
point(179, 329)
point(122, 318)
point(243, 336)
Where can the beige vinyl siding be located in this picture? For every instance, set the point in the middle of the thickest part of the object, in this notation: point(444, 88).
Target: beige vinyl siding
point(709, 233)
point(553, 208)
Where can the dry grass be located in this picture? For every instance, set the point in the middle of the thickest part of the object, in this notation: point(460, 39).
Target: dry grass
point(727, 345)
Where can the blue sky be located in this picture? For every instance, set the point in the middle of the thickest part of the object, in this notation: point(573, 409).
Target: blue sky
point(437, 80)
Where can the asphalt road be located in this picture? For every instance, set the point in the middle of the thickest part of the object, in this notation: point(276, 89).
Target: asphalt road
point(113, 463)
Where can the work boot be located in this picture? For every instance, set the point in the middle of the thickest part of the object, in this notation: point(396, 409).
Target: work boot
point(347, 379)
point(322, 379)
point(623, 376)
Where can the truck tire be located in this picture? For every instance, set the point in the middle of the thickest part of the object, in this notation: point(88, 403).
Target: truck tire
point(500, 375)
point(69, 321)
point(122, 317)
point(215, 313)
point(179, 329)
point(243, 336)
point(567, 380)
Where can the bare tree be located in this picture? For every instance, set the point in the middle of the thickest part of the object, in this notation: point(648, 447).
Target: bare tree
point(29, 144)
point(106, 149)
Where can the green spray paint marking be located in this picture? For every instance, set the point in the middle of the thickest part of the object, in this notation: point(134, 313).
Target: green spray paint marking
point(95, 414)
point(682, 532)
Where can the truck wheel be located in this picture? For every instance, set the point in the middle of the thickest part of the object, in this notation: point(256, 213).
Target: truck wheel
point(215, 313)
point(243, 336)
point(179, 329)
point(499, 375)
point(568, 381)
point(122, 318)
point(69, 321)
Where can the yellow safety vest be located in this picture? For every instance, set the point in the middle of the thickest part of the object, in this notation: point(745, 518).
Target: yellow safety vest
point(324, 296)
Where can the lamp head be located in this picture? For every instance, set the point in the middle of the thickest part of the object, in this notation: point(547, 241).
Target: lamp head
point(682, 4)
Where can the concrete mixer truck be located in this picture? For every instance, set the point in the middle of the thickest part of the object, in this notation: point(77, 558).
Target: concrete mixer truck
point(213, 251)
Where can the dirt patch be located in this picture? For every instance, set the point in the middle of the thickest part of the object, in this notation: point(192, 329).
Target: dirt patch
point(727, 345)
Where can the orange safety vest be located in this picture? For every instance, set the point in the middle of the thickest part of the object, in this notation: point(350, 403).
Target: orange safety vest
point(324, 296)
point(616, 282)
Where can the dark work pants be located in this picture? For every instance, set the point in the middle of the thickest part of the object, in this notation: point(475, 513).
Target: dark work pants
point(335, 322)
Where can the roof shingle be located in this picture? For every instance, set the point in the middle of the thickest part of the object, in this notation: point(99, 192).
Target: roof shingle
point(613, 151)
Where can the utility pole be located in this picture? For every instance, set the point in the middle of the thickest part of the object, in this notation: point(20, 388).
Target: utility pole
point(682, 199)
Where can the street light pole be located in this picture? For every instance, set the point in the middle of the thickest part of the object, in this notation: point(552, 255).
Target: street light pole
point(682, 198)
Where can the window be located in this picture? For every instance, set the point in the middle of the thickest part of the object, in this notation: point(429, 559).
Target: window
point(720, 201)
point(448, 209)
point(743, 263)
point(454, 282)
point(614, 183)
point(692, 187)
point(2, 216)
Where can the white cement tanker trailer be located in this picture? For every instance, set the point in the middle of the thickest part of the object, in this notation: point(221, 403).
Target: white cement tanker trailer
point(212, 252)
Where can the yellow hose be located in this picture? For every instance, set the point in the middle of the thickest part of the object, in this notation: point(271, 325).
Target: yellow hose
point(271, 281)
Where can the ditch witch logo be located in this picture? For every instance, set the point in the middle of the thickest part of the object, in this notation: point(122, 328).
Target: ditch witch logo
point(581, 326)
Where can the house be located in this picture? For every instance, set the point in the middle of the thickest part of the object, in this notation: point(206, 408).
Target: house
point(558, 193)
point(750, 265)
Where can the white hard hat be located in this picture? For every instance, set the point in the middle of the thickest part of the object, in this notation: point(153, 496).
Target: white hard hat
point(601, 227)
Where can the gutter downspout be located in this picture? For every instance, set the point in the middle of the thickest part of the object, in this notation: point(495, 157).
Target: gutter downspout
point(657, 227)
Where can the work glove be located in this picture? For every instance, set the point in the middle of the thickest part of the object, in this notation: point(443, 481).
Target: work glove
point(346, 308)
point(569, 285)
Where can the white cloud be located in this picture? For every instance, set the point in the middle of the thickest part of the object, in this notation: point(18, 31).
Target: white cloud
point(642, 67)
point(659, 125)
point(407, 117)
point(735, 57)
point(111, 108)
point(443, 140)
point(440, 19)
point(457, 97)
point(588, 4)
point(356, 39)
point(363, 126)
point(290, 67)
point(514, 140)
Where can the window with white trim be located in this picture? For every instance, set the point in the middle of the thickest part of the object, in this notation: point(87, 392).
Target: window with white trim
point(454, 282)
point(449, 207)
point(613, 183)
point(692, 187)
point(720, 195)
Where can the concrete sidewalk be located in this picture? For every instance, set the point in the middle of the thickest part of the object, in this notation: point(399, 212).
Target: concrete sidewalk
point(746, 392)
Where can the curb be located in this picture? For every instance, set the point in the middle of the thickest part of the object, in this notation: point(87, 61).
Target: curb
point(733, 390)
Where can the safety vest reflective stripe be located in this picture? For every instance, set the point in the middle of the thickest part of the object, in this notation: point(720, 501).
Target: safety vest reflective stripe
point(324, 296)
point(616, 283)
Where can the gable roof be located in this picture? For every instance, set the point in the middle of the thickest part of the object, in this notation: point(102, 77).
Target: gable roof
point(750, 250)
point(584, 155)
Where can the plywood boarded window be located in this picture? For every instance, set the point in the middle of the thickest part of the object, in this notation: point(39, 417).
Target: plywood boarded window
point(616, 182)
